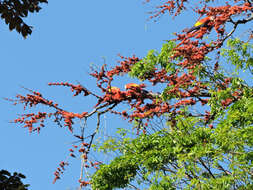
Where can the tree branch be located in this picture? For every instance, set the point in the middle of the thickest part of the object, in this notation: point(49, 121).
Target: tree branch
point(209, 171)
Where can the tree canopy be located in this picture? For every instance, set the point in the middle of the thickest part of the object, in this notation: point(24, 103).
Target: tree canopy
point(12, 182)
point(13, 13)
point(193, 131)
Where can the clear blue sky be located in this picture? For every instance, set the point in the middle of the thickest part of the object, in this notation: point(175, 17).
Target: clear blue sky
point(67, 37)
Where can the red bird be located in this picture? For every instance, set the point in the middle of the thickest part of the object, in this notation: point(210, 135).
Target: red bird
point(114, 90)
point(131, 86)
point(201, 23)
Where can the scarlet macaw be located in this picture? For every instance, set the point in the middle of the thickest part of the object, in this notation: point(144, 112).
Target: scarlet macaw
point(114, 90)
point(136, 87)
point(201, 23)
point(131, 85)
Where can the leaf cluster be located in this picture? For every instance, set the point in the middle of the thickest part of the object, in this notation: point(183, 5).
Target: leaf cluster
point(13, 12)
point(188, 156)
point(12, 182)
point(239, 53)
point(154, 60)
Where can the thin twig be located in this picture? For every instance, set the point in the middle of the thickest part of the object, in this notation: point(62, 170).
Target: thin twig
point(209, 171)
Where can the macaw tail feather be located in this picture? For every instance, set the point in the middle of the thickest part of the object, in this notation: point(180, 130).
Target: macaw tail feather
point(193, 28)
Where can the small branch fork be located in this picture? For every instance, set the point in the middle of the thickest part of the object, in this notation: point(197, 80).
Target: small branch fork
point(84, 156)
point(243, 21)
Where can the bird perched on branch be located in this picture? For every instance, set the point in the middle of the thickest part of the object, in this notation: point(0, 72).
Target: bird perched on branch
point(201, 23)
point(132, 86)
point(114, 90)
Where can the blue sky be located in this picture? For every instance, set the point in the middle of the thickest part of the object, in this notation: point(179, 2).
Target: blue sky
point(66, 39)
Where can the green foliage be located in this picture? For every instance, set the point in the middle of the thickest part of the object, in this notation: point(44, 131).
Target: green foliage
point(189, 155)
point(12, 182)
point(164, 184)
point(147, 66)
point(117, 174)
point(151, 153)
point(185, 154)
point(239, 53)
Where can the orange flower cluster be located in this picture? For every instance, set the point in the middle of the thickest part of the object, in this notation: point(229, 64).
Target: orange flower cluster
point(192, 52)
point(160, 76)
point(224, 13)
point(83, 183)
point(174, 7)
point(34, 118)
point(124, 66)
point(207, 116)
point(82, 149)
point(69, 116)
point(149, 110)
point(115, 95)
point(104, 77)
point(185, 102)
point(59, 170)
point(226, 102)
point(74, 88)
point(33, 100)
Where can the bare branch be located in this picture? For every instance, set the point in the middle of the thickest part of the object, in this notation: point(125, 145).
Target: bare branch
point(243, 21)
